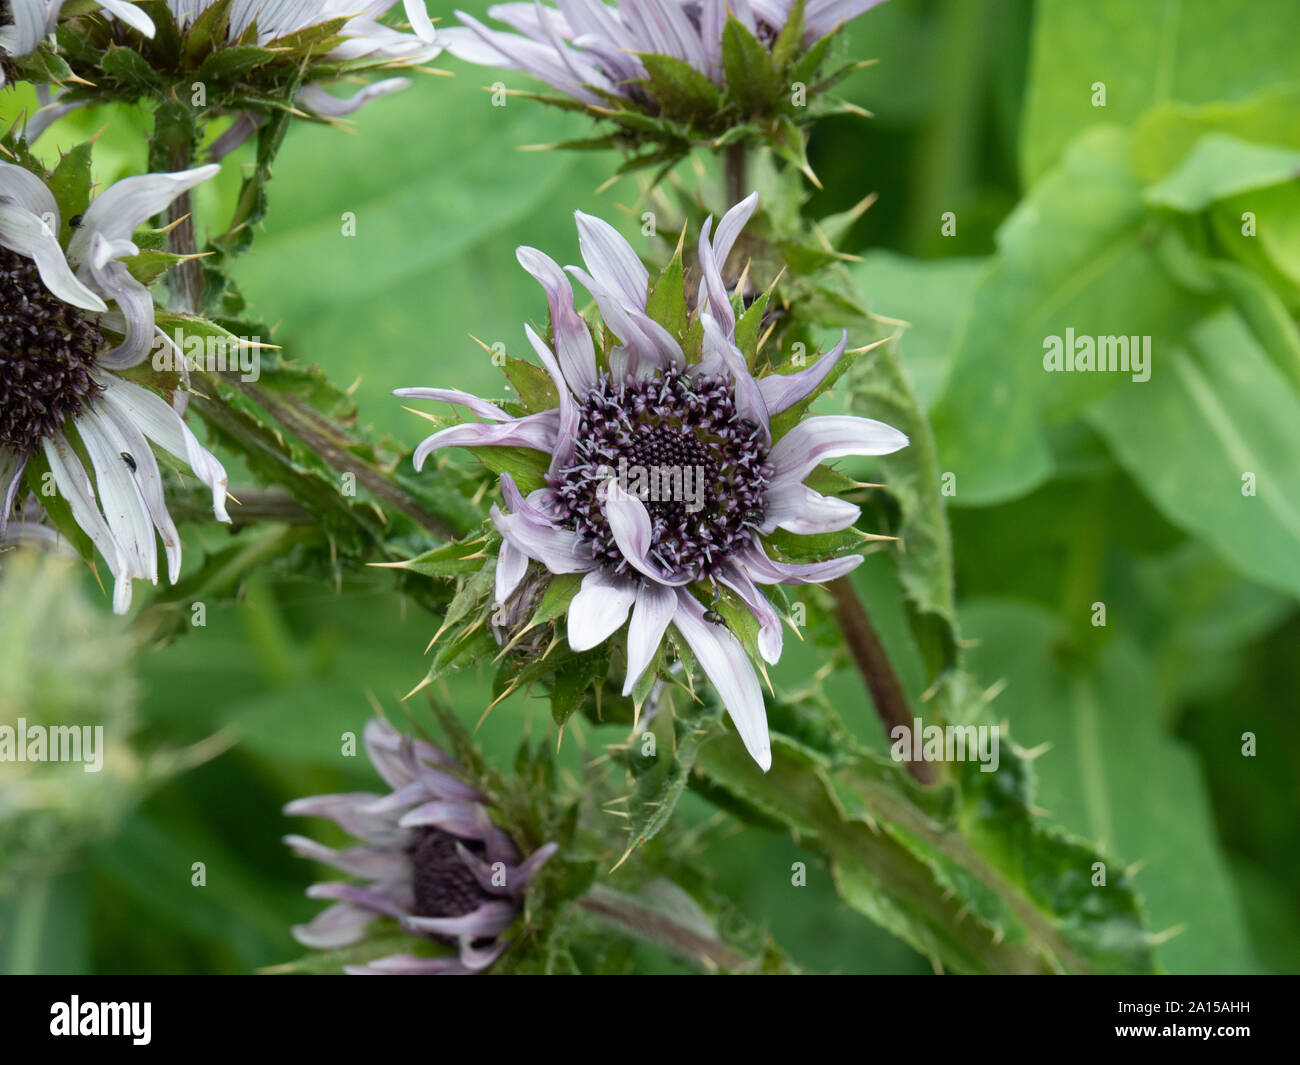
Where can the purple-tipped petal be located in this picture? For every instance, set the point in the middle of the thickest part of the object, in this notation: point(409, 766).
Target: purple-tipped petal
point(567, 434)
point(340, 925)
point(828, 437)
point(783, 391)
point(769, 622)
point(369, 863)
point(795, 507)
point(485, 921)
point(609, 257)
point(573, 343)
point(729, 669)
point(629, 521)
point(536, 431)
point(481, 407)
point(768, 571)
point(410, 965)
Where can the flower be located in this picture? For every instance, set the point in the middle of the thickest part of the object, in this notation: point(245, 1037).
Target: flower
point(25, 23)
point(315, 40)
point(61, 396)
point(665, 558)
point(586, 44)
point(434, 858)
point(266, 21)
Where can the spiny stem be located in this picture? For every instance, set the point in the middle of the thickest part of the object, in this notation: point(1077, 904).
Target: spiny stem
point(873, 663)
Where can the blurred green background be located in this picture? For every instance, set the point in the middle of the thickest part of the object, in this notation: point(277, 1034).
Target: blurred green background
point(1111, 219)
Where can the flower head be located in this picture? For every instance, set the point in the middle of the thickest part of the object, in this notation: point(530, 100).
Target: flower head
point(433, 858)
point(316, 41)
point(61, 396)
point(664, 476)
point(25, 23)
point(707, 65)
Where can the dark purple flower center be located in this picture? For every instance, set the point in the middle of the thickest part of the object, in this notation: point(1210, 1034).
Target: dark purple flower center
point(444, 885)
point(47, 351)
point(679, 445)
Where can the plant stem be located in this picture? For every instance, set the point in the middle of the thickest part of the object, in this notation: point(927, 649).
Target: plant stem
point(174, 147)
point(873, 663)
point(735, 174)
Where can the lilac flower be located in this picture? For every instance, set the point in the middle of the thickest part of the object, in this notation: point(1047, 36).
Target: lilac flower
point(268, 22)
point(60, 393)
point(586, 47)
point(662, 561)
point(25, 23)
point(434, 859)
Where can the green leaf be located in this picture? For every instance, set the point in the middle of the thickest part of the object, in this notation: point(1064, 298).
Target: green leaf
point(1082, 254)
point(1145, 54)
point(680, 90)
point(1212, 414)
point(70, 184)
point(1106, 750)
point(1221, 166)
point(753, 83)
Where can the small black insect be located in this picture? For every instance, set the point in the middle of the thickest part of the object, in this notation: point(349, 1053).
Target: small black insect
point(714, 617)
point(752, 426)
point(75, 220)
point(129, 460)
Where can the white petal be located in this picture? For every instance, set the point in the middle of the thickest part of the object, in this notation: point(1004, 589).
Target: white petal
point(130, 14)
point(121, 209)
point(729, 669)
point(164, 427)
point(599, 609)
point(74, 486)
point(119, 498)
point(511, 566)
point(30, 236)
point(133, 301)
point(655, 606)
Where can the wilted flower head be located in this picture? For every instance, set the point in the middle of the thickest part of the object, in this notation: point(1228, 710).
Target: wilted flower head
point(664, 477)
point(61, 396)
point(706, 65)
point(433, 858)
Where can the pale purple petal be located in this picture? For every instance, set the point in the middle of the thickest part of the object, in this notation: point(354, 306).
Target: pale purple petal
point(655, 606)
point(340, 925)
point(769, 622)
point(783, 391)
point(481, 407)
point(612, 259)
point(536, 431)
point(629, 521)
point(765, 570)
point(728, 667)
point(485, 921)
point(599, 609)
point(828, 437)
point(793, 506)
point(573, 344)
point(512, 564)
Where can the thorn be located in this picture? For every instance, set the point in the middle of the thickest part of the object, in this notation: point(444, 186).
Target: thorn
point(418, 688)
